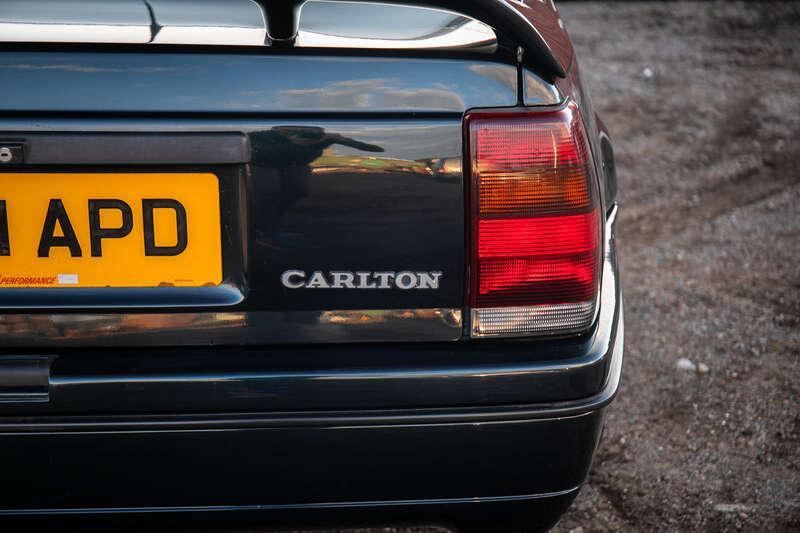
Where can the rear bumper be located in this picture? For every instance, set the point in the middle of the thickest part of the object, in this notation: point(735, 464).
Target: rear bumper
point(438, 472)
point(475, 468)
point(515, 467)
point(442, 442)
point(519, 466)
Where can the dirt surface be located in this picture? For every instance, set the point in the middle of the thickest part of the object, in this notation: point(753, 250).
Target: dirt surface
point(703, 100)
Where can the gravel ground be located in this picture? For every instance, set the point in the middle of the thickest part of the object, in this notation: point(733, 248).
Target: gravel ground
point(703, 100)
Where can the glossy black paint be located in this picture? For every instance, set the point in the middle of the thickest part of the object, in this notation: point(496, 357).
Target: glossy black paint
point(347, 169)
point(336, 195)
point(200, 385)
point(413, 465)
point(389, 213)
point(168, 328)
point(247, 82)
point(369, 193)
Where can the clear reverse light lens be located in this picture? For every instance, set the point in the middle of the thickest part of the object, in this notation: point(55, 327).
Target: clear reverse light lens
point(531, 320)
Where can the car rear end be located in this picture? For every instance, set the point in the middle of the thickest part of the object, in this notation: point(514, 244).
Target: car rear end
point(361, 272)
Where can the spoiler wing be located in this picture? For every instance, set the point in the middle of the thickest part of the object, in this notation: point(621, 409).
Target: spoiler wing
point(511, 25)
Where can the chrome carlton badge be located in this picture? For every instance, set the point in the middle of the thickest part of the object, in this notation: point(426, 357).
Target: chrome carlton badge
point(299, 279)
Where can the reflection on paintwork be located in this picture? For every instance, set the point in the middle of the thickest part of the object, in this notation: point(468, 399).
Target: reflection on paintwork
point(198, 329)
point(213, 83)
point(451, 317)
point(328, 203)
point(296, 149)
point(505, 77)
point(66, 327)
point(373, 93)
point(539, 92)
point(391, 198)
point(300, 145)
point(330, 162)
point(445, 168)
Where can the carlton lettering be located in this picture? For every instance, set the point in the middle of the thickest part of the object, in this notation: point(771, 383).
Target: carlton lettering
point(405, 280)
point(59, 232)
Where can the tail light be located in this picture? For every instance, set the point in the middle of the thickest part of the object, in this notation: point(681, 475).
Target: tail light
point(535, 238)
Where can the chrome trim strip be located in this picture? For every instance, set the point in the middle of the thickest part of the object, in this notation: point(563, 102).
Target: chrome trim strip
point(293, 506)
point(62, 330)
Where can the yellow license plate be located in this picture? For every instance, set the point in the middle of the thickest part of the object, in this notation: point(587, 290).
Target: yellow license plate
point(109, 230)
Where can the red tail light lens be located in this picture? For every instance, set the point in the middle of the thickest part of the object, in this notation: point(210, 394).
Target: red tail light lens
point(536, 224)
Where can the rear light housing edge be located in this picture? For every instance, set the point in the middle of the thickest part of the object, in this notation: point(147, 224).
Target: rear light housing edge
point(536, 224)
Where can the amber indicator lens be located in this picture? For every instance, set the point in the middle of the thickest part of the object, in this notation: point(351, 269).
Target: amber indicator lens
point(536, 224)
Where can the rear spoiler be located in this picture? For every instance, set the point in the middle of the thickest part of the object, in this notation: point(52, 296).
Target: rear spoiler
point(512, 26)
